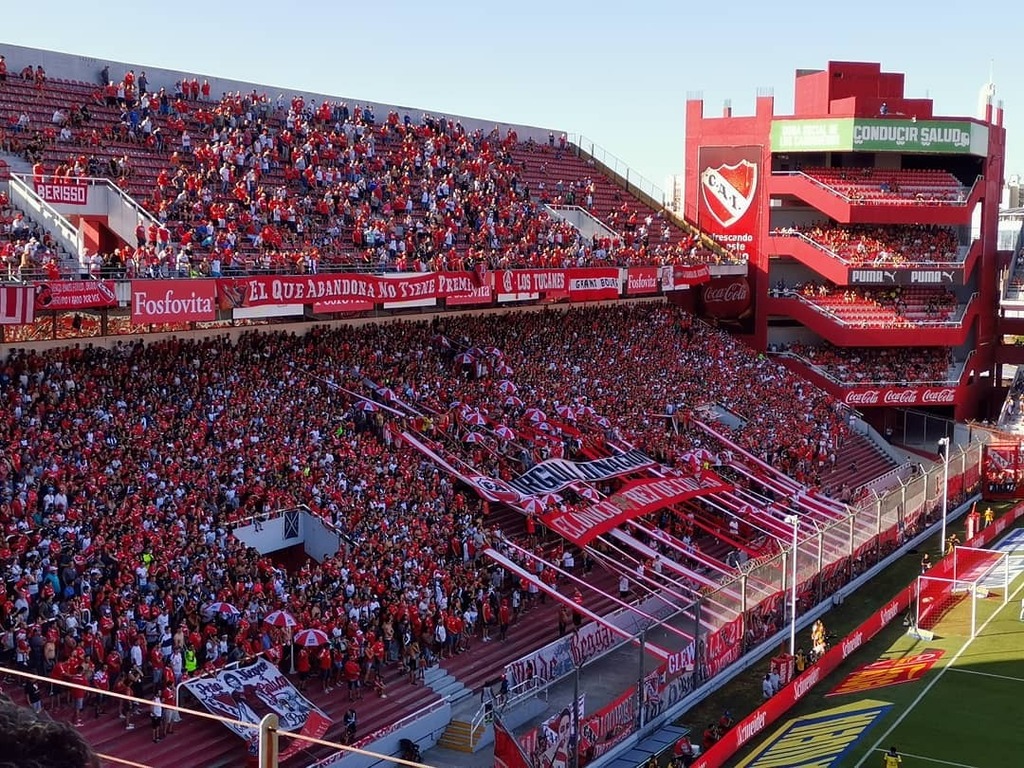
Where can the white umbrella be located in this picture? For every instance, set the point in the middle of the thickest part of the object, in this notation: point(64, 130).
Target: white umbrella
point(310, 638)
point(474, 437)
point(507, 387)
point(222, 609)
point(475, 418)
point(535, 415)
point(505, 433)
point(514, 401)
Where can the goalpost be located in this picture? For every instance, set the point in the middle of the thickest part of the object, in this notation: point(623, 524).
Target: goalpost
point(969, 582)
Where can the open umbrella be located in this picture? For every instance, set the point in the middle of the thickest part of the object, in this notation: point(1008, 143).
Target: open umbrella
point(368, 406)
point(474, 437)
point(505, 433)
point(222, 609)
point(310, 638)
point(514, 401)
point(464, 359)
point(506, 387)
point(388, 395)
point(475, 418)
point(565, 411)
point(534, 505)
point(535, 415)
point(280, 619)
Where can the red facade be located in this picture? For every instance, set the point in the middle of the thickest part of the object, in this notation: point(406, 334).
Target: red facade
point(830, 204)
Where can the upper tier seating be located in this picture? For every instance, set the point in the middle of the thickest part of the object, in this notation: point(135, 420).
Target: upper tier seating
point(892, 245)
point(898, 307)
point(877, 186)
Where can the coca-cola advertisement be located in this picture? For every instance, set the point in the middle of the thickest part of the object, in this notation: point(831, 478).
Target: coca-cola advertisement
point(881, 397)
point(641, 281)
point(75, 294)
point(173, 301)
point(730, 193)
point(729, 300)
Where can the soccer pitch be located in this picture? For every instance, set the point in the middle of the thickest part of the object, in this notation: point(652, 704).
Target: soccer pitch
point(945, 701)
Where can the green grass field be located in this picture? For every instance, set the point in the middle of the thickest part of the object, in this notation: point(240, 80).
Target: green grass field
point(964, 711)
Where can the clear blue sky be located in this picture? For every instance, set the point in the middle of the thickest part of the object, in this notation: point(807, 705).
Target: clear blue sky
point(617, 73)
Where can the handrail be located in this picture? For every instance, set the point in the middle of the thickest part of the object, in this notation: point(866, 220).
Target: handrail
point(66, 228)
point(875, 382)
point(100, 181)
point(516, 694)
point(892, 201)
point(789, 293)
point(618, 167)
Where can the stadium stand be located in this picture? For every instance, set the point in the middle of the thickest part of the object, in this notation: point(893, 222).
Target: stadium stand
point(897, 245)
point(896, 187)
point(897, 307)
point(119, 501)
point(873, 365)
point(245, 183)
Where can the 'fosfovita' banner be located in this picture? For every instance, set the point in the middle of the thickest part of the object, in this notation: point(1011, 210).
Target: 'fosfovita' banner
point(954, 137)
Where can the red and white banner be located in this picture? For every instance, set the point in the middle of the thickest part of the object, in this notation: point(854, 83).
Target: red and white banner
point(883, 396)
point(507, 752)
point(640, 497)
point(723, 647)
point(63, 191)
point(641, 280)
point(677, 277)
point(173, 301)
point(75, 294)
point(479, 295)
point(730, 192)
point(607, 727)
point(342, 292)
point(527, 281)
point(251, 692)
point(553, 475)
point(17, 305)
point(595, 284)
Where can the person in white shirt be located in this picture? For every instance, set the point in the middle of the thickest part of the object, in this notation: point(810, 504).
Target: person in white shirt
point(776, 681)
point(156, 717)
point(767, 689)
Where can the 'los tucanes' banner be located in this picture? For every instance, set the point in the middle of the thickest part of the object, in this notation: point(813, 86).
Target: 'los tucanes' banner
point(251, 692)
point(75, 294)
point(635, 499)
point(342, 292)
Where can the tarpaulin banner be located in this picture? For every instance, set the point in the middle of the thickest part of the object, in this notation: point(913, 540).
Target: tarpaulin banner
point(553, 475)
point(676, 277)
point(251, 692)
point(17, 305)
point(59, 191)
point(549, 745)
point(1002, 471)
point(173, 301)
point(527, 281)
point(75, 294)
point(607, 727)
point(595, 284)
point(482, 294)
point(640, 497)
point(641, 281)
point(342, 292)
point(884, 396)
point(507, 752)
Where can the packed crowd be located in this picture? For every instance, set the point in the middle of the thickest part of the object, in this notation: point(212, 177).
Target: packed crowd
point(893, 186)
point(891, 245)
point(248, 183)
point(118, 502)
point(871, 365)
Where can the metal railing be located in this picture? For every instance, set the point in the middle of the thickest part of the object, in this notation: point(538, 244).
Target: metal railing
point(961, 201)
point(619, 167)
point(789, 232)
point(873, 382)
point(793, 295)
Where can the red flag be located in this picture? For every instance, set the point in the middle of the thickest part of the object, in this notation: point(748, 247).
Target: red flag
point(507, 752)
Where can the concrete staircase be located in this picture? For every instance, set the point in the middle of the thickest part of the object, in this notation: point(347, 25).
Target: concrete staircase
point(446, 685)
point(461, 736)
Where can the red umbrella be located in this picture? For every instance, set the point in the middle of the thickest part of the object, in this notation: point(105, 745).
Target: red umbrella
point(464, 359)
point(535, 415)
point(280, 619)
point(506, 387)
point(474, 437)
point(534, 505)
point(368, 405)
point(310, 638)
point(475, 418)
point(565, 411)
point(513, 401)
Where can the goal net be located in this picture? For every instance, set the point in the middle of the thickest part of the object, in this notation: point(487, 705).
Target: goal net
point(963, 591)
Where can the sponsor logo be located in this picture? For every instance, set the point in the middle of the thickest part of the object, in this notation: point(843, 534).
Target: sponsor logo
point(931, 276)
point(159, 301)
point(867, 397)
point(728, 190)
point(886, 672)
point(900, 397)
point(735, 291)
point(748, 730)
point(645, 281)
point(852, 643)
point(804, 683)
point(939, 396)
point(888, 613)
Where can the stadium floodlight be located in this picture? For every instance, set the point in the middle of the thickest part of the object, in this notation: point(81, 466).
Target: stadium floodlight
point(794, 521)
point(944, 444)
